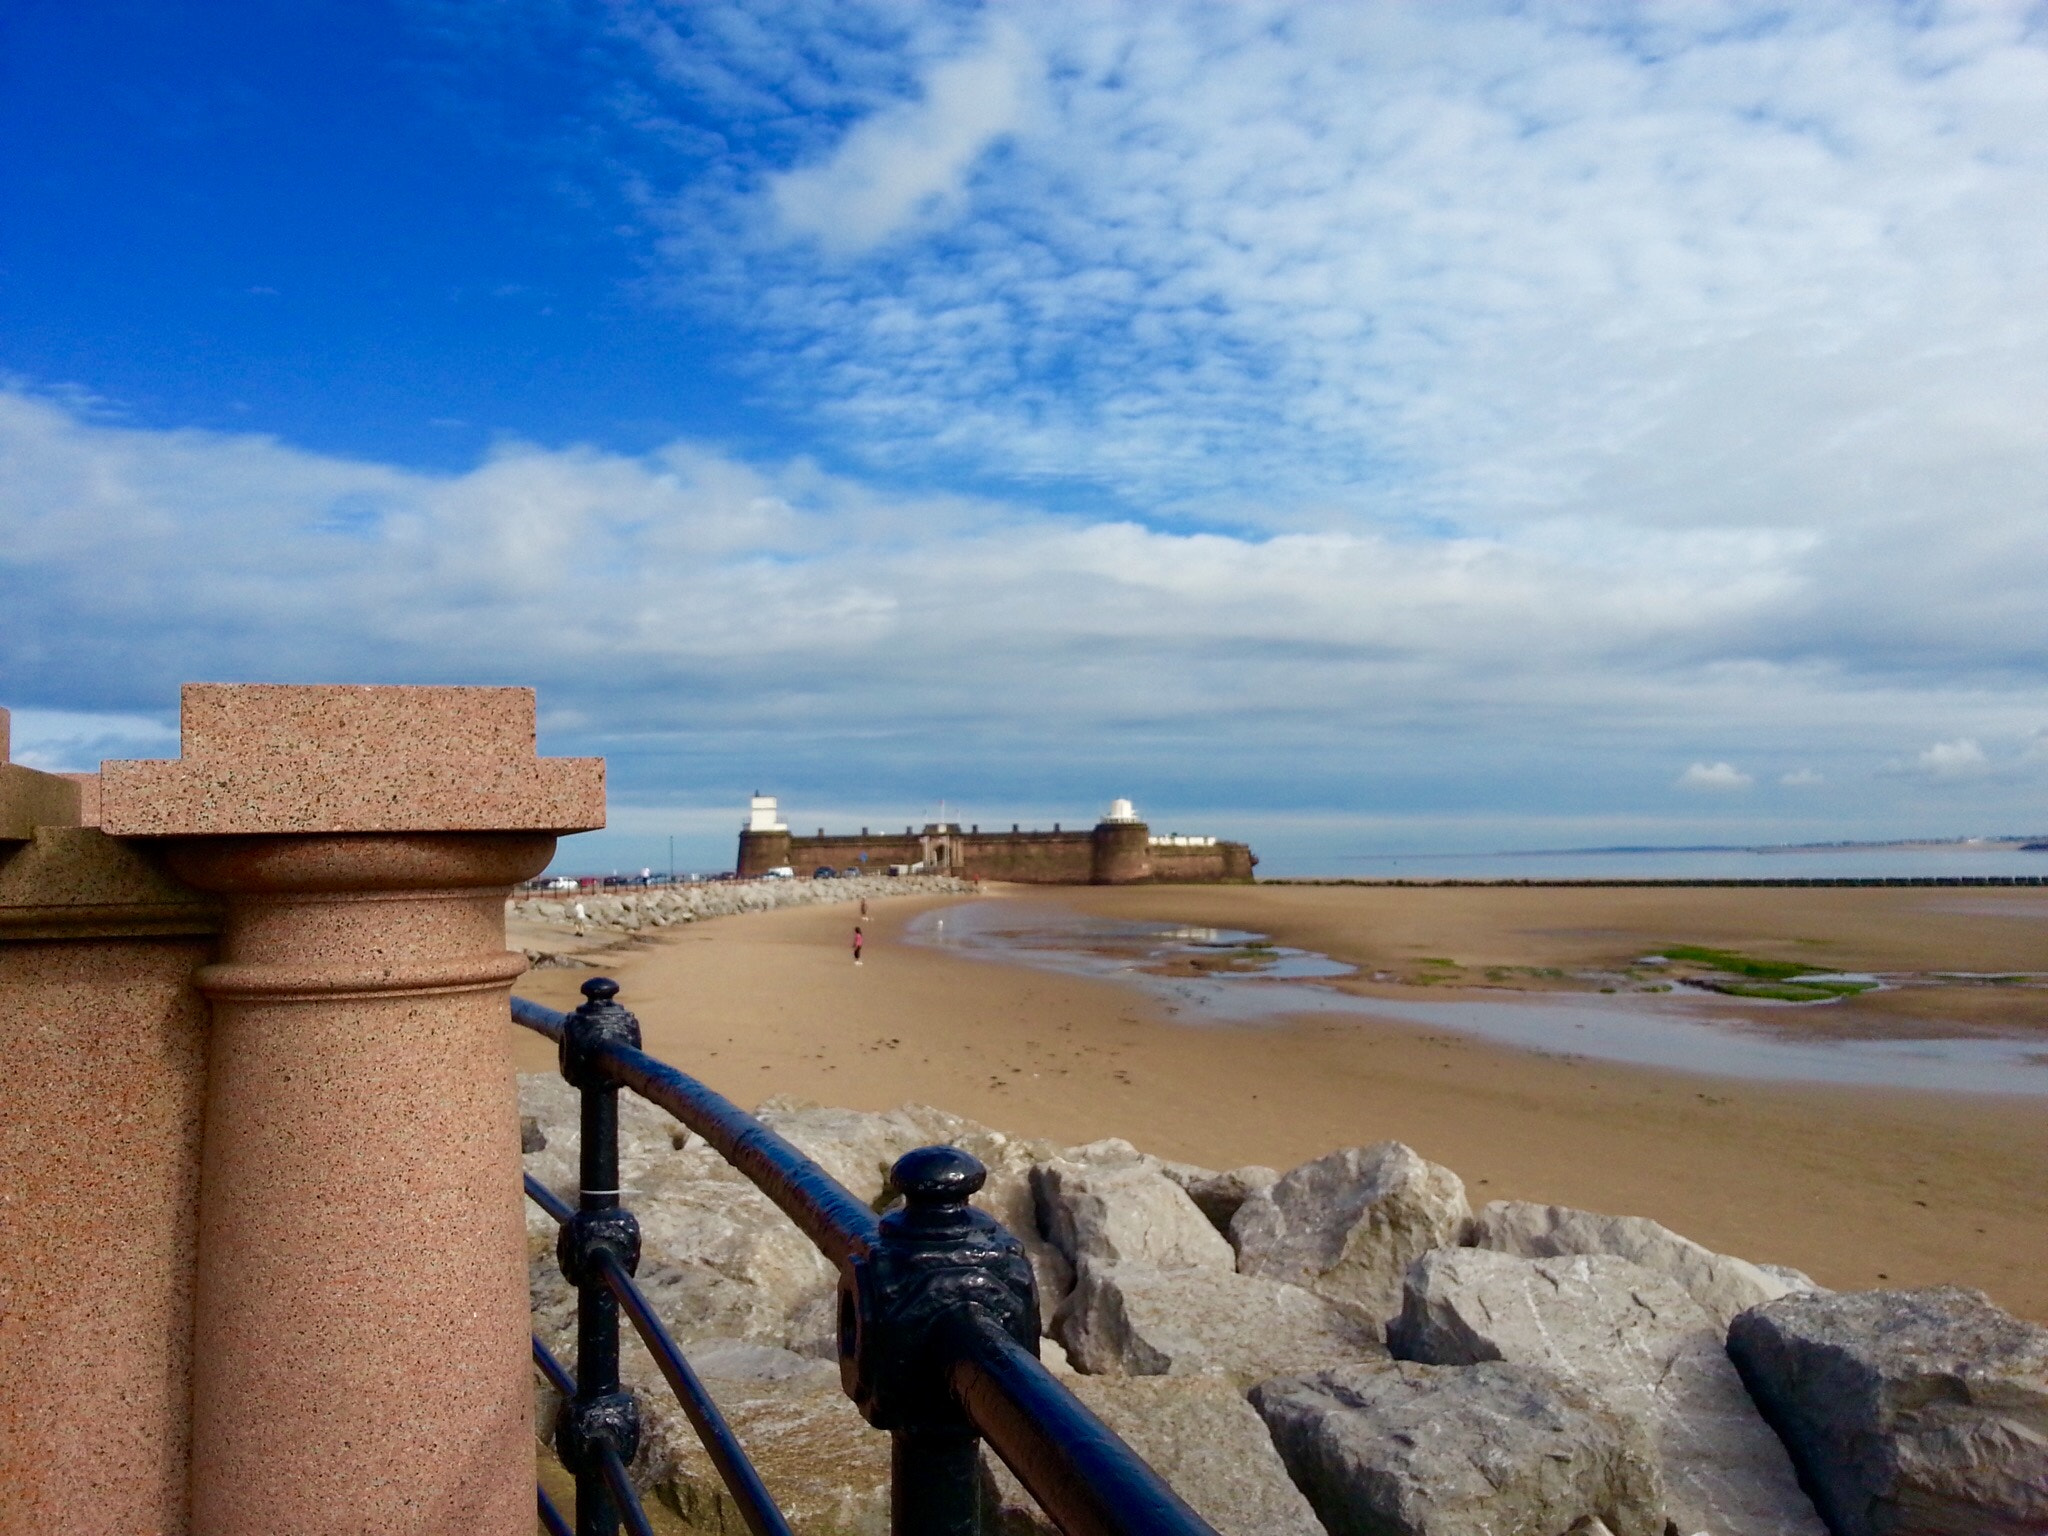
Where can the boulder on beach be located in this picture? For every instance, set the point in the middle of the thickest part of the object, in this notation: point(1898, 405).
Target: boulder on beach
point(1400, 1449)
point(1132, 1320)
point(1721, 1283)
point(1917, 1412)
point(1638, 1343)
point(1348, 1225)
point(717, 1258)
point(1566, 1374)
point(859, 1147)
point(1201, 1436)
point(1125, 1211)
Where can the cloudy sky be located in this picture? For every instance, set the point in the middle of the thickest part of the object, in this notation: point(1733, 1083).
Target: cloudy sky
point(1359, 427)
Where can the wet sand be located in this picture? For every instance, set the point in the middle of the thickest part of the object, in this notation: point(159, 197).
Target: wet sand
point(1860, 1187)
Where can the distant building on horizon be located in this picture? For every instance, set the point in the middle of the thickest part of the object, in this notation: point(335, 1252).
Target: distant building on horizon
point(1118, 850)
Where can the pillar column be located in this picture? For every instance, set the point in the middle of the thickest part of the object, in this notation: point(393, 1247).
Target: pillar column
point(361, 1355)
point(100, 1108)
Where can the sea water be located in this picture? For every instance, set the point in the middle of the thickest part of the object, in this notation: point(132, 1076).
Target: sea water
point(1677, 1033)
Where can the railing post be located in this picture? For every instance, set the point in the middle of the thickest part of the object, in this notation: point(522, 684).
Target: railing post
point(939, 1262)
point(600, 1411)
point(934, 1482)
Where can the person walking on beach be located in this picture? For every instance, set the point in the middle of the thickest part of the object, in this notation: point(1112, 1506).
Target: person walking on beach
point(863, 906)
point(858, 941)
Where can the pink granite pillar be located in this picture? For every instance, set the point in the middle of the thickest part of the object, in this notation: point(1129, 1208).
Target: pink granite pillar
point(99, 1143)
point(361, 1356)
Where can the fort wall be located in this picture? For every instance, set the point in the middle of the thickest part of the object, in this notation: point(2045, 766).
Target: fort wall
point(1031, 858)
point(1218, 861)
point(1119, 851)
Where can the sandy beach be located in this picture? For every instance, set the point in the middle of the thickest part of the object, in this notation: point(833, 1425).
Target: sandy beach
point(1860, 1187)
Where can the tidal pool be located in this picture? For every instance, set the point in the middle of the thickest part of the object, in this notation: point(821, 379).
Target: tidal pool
point(1234, 977)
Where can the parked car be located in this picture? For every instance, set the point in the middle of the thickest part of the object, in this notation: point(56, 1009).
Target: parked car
point(779, 872)
point(824, 872)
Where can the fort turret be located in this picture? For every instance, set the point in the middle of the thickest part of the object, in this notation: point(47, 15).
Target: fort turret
point(764, 840)
point(1122, 847)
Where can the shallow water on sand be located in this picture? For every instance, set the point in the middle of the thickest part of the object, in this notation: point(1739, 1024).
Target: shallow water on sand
point(1256, 983)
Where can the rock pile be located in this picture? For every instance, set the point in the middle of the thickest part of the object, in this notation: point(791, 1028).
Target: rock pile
point(626, 912)
point(1345, 1348)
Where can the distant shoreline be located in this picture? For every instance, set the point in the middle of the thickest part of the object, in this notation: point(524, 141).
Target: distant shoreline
point(1659, 881)
point(2007, 843)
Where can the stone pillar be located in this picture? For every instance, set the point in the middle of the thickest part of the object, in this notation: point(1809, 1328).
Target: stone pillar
point(99, 1136)
point(361, 1302)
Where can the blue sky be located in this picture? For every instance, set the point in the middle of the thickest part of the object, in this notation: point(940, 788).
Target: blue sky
point(1356, 427)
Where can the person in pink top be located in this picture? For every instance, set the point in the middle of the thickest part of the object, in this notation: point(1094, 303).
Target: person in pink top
point(858, 941)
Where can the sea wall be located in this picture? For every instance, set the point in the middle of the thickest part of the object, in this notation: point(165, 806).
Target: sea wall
point(1218, 861)
point(866, 851)
point(663, 906)
point(1030, 858)
point(1108, 854)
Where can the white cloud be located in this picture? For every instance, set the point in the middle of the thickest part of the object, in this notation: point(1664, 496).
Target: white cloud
point(1496, 400)
point(1716, 776)
point(711, 619)
point(909, 161)
point(1297, 264)
point(1958, 759)
point(1802, 778)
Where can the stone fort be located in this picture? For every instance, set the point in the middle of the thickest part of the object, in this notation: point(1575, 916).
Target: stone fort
point(1118, 850)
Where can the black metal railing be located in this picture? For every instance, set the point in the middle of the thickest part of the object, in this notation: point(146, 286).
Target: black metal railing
point(938, 1322)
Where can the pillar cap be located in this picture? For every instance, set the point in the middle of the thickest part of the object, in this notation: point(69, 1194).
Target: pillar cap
point(267, 758)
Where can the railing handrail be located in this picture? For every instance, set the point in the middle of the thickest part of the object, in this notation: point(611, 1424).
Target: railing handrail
point(1079, 1470)
point(1074, 1465)
point(839, 1224)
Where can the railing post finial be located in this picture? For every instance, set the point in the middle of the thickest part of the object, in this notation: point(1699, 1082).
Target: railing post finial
point(600, 1021)
point(941, 1266)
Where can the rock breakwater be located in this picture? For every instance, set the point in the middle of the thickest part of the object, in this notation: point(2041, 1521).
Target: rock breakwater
point(549, 924)
point(1346, 1347)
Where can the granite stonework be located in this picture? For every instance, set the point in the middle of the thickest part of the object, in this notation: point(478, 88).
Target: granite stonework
point(265, 1103)
point(99, 1132)
point(360, 1218)
point(273, 758)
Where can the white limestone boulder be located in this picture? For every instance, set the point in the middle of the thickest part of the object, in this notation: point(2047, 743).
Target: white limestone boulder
point(717, 1257)
point(1201, 1436)
point(1132, 1320)
point(1721, 1283)
point(1399, 1449)
point(1125, 1212)
point(727, 1225)
point(1639, 1344)
point(1348, 1225)
point(858, 1148)
point(1909, 1412)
